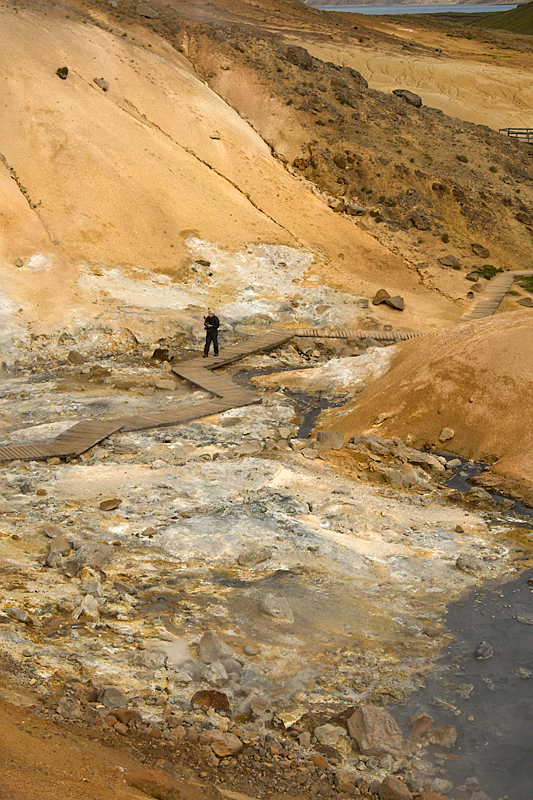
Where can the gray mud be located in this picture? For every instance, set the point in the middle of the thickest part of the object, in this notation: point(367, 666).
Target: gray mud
point(489, 700)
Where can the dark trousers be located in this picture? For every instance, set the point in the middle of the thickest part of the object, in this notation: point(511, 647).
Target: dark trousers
point(211, 335)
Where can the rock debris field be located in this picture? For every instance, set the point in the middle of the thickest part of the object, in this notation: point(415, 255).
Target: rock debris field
point(240, 599)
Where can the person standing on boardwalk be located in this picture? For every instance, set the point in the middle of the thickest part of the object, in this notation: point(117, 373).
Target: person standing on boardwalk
point(211, 323)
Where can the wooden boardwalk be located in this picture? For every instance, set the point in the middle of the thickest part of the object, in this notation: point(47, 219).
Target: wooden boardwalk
point(379, 336)
point(199, 371)
point(490, 299)
point(87, 433)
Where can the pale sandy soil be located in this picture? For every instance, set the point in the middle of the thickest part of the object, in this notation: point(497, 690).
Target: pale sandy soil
point(124, 176)
point(460, 79)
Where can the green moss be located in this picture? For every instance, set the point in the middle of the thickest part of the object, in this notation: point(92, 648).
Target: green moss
point(488, 271)
point(462, 159)
point(493, 169)
point(526, 283)
point(445, 238)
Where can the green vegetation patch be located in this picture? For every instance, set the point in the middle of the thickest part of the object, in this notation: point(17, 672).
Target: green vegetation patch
point(517, 20)
point(526, 283)
point(488, 271)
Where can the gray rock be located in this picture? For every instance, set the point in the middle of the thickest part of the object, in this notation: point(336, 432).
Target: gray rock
point(449, 261)
point(18, 262)
point(149, 659)
point(17, 613)
point(409, 97)
point(375, 731)
point(420, 222)
point(211, 648)
point(331, 439)
point(304, 739)
point(446, 434)
point(111, 697)
point(144, 10)
point(194, 669)
point(525, 301)
point(231, 665)
point(354, 211)
point(396, 302)
point(309, 453)
point(277, 607)
point(76, 358)
point(299, 57)
point(103, 84)
point(69, 708)
point(483, 651)
point(215, 674)
point(454, 463)
point(329, 734)
point(62, 72)
point(124, 588)
point(59, 547)
point(468, 563)
point(479, 250)
point(94, 553)
point(392, 476)
point(479, 492)
point(473, 276)
point(92, 587)
point(254, 556)
point(89, 608)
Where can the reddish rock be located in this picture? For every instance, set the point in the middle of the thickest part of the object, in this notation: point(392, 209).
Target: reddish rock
point(154, 783)
point(380, 297)
point(223, 744)
point(346, 780)
point(210, 698)
point(126, 715)
point(319, 761)
point(394, 789)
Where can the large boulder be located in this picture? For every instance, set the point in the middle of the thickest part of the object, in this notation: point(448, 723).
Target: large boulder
point(299, 57)
point(375, 731)
point(409, 97)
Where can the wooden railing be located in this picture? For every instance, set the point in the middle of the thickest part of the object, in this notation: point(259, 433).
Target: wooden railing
point(523, 134)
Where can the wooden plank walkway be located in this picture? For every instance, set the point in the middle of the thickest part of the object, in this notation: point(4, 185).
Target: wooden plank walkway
point(379, 336)
point(199, 371)
point(87, 433)
point(72, 442)
point(494, 293)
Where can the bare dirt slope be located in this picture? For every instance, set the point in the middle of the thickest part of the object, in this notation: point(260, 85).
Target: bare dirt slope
point(119, 178)
point(475, 379)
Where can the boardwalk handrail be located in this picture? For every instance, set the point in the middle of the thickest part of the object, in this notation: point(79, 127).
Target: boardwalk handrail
point(523, 134)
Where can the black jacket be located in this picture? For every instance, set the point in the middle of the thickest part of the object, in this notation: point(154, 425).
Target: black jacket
point(211, 322)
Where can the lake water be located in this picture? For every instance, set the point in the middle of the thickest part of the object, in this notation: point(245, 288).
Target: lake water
point(420, 9)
